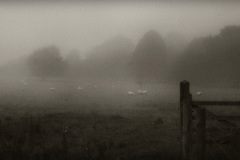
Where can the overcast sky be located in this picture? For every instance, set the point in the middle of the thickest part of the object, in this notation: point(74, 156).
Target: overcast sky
point(26, 26)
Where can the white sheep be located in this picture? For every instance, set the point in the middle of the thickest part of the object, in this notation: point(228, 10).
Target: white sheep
point(79, 88)
point(95, 86)
point(199, 93)
point(130, 93)
point(25, 84)
point(139, 92)
point(52, 89)
point(142, 92)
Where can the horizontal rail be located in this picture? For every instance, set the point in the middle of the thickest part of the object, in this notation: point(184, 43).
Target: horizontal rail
point(220, 103)
point(217, 117)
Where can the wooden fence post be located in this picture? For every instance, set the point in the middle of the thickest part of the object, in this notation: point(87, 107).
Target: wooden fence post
point(184, 92)
point(201, 133)
point(187, 127)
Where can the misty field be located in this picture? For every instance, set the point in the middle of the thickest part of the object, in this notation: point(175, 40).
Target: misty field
point(54, 119)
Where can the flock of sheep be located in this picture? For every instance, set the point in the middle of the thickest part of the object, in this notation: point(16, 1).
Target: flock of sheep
point(139, 92)
point(129, 93)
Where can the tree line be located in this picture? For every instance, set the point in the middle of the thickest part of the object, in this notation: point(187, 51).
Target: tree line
point(214, 58)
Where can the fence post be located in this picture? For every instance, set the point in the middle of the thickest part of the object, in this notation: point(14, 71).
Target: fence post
point(201, 133)
point(187, 127)
point(184, 92)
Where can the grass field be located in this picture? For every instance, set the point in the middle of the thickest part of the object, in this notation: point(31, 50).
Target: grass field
point(101, 122)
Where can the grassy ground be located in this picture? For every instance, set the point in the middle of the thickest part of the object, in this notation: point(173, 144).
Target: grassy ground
point(100, 122)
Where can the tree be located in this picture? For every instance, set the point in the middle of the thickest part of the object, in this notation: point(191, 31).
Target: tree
point(212, 59)
point(109, 58)
point(46, 62)
point(148, 57)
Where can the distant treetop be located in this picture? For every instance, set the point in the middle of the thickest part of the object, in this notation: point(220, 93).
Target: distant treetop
point(46, 62)
point(149, 56)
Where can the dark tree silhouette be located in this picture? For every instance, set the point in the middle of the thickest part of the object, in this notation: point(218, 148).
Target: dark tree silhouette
point(148, 57)
point(212, 59)
point(46, 62)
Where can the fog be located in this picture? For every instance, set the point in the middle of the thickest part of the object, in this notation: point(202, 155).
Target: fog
point(26, 26)
point(102, 80)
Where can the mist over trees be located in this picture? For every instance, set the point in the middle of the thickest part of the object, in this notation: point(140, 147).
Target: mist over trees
point(46, 62)
point(175, 43)
point(149, 56)
point(16, 68)
point(212, 59)
point(74, 64)
point(108, 60)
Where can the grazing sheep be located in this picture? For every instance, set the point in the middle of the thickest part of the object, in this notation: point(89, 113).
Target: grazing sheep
point(199, 93)
point(25, 84)
point(130, 93)
point(52, 89)
point(95, 86)
point(113, 86)
point(79, 88)
point(139, 91)
point(142, 92)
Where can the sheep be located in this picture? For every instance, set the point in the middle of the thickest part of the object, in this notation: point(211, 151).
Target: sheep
point(79, 88)
point(23, 83)
point(95, 87)
point(52, 89)
point(199, 93)
point(139, 91)
point(130, 93)
point(142, 92)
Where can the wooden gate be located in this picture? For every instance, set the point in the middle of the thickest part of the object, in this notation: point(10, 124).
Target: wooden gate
point(187, 108)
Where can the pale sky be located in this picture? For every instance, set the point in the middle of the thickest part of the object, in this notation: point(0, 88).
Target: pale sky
point(27, 26)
